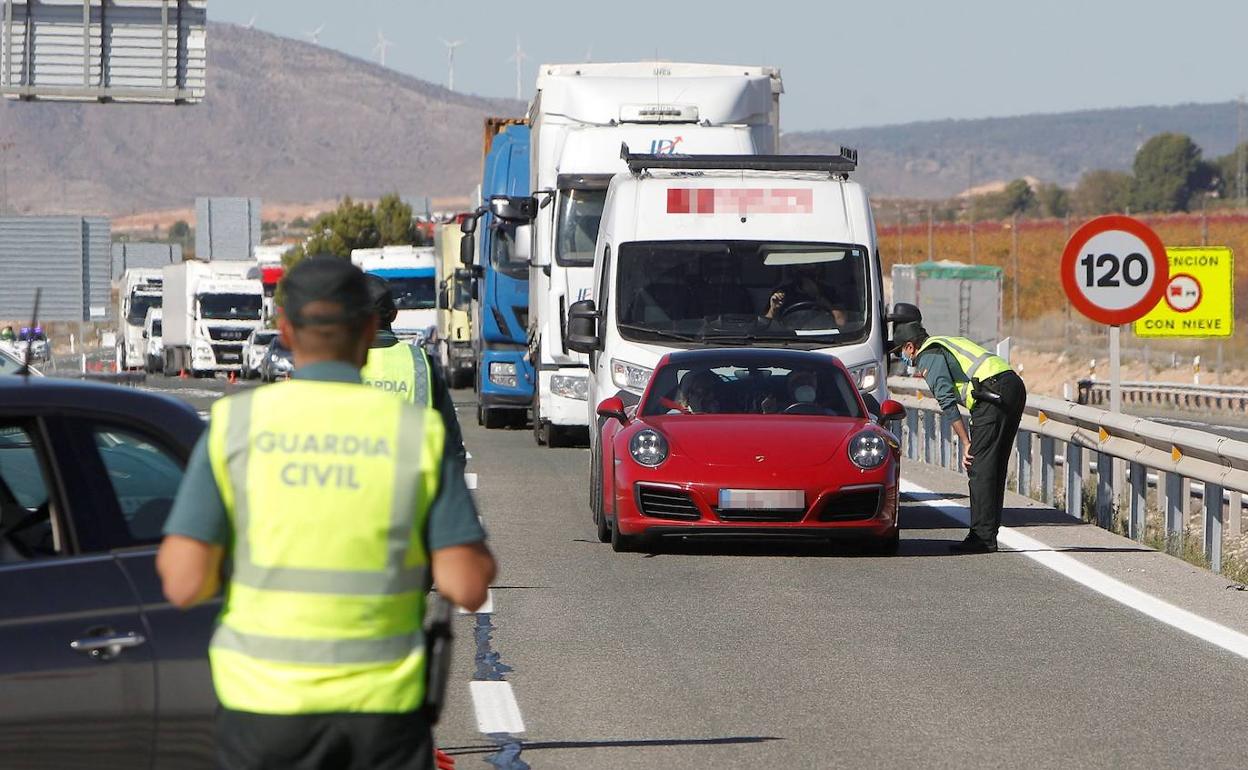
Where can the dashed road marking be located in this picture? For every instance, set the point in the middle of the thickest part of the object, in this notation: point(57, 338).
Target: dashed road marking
point(496, 708)
point(1175, 617)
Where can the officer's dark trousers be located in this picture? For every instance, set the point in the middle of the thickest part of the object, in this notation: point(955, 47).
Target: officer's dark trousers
point(247, 741)
point(993, 428)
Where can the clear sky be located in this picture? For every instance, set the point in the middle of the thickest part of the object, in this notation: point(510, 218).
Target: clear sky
point(871, 62)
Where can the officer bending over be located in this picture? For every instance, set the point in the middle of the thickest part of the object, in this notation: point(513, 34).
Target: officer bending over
point(406, 369)
point(332, 504)
point(960, 372)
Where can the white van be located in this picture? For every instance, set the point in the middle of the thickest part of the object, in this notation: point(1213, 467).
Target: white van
point(746, 250)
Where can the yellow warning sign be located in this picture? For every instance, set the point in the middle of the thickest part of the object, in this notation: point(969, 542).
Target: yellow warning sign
point(1200, 298)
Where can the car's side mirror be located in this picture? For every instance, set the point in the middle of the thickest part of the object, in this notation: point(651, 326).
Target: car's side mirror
point(514, 208)
point(467, 248)
point(613, 408)
point(583, 336)
point(891, 412)
point(145, 334)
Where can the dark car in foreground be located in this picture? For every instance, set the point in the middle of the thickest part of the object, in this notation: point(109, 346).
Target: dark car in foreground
point(755, 443)
point(97, 670)
point(277, 363)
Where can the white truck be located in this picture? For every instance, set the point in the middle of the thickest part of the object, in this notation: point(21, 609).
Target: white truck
point(411, 272)
point(579, 118)
point(209, 310)
point(139, 290)
point(735, 251)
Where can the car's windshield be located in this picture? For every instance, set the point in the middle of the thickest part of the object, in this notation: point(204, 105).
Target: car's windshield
point(743, 290)
point(263, 338)
point(139, 305)
point(276, 348)
point(503, 251)
point(580, 212)
point(725, 385)
point(231, 307)
point(413, 293)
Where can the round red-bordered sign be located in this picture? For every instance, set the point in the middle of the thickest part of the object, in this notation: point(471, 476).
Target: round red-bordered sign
point(1115, 270)
point(1189, 293)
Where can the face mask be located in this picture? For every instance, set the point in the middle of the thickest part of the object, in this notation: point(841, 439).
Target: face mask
point(907, 359)
point(804, 393)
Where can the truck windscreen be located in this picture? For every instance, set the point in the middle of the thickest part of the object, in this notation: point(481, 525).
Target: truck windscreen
point(139, 305)
point(413, 293)
point(742, 291)
point(580, 212)
point(502, 252)
point(231, 307)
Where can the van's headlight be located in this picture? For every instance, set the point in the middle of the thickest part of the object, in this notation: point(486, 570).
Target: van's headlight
point(648, 448)
point(868, 450)
point(569, 386)
point(630, 377)
point(866, 377)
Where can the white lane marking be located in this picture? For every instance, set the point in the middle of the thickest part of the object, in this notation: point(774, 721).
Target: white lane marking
point(470, 479)
point(496, 708)
point(1176, 617)
point(486, 609)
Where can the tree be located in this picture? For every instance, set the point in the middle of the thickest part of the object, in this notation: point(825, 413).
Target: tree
point(1103, 192)
point(1168, 172)
point(1054, 201)
point(357, 226)
point(1017, 198)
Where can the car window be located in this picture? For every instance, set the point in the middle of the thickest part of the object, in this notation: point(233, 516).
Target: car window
point(144, 479)
point(747, 387)
point(27, 527)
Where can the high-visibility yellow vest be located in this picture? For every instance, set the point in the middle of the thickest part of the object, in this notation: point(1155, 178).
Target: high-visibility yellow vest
point(978, 363)
point(324, 608)
point(401, 369)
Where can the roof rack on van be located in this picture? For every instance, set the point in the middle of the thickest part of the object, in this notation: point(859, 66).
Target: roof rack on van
point(842, 163)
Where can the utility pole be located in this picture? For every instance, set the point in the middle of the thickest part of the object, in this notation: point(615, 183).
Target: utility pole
point(1017, 277)
point(1241, 184)
point(970, 194)
point(931, 236)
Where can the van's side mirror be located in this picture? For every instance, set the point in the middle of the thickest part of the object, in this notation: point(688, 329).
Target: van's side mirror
point(514, 208)
point(145, 334)
point(613, 408)
point(444, 298)
point(891, 412)
point(583, 335)
point(467, 248)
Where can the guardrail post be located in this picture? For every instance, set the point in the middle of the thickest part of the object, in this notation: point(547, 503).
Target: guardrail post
point(1023, 443)
point(1104, 491)
point(1213, 526)
point(929, 437)
point(1048, 468)
point(1176, 506)
point(1139, 501)
point(1234, 514)
point(946, 443)
point(912, 430)
point(1074, 481)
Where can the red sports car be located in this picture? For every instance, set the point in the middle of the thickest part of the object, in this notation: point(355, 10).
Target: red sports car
point(753, 442)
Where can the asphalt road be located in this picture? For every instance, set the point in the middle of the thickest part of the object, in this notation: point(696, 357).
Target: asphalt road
point(785, 657)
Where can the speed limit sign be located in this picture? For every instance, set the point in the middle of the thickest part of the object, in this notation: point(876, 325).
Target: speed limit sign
point(1115, 270)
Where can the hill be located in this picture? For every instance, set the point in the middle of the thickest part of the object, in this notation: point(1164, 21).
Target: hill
point(293, 122)
point(932, 159)
point(284, 120)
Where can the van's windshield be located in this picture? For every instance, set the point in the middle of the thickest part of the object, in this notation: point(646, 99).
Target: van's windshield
point(742, 291)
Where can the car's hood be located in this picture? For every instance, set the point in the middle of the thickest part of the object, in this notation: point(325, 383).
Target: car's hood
point(740, 440)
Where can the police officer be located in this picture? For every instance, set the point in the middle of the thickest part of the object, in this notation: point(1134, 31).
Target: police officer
point(960, 372)
point(406, 369)
point(333, 504)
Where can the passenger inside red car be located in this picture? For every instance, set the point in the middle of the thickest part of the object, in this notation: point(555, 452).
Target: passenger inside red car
point(754, 390)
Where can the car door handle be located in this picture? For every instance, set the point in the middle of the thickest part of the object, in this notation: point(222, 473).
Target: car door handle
point(107, 645)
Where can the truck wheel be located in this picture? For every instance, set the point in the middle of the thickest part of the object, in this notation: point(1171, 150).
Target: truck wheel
point(492, 419)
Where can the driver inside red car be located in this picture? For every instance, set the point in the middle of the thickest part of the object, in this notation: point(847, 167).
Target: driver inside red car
point(698, 392)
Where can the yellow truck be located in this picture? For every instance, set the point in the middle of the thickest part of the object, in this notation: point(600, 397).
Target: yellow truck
point(453, 344)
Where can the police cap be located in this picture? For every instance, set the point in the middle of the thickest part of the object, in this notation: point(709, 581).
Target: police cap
point(326, 279)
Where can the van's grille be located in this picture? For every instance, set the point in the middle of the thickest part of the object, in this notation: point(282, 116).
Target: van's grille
point(666, 503)
point(851, 506)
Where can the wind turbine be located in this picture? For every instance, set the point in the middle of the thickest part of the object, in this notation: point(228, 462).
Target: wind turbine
point(451, 45)
point(251, 24)
point(518, 57)
point(382, 46)
point(315, 35)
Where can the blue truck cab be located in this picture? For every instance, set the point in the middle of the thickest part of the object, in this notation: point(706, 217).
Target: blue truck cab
point(505, 376)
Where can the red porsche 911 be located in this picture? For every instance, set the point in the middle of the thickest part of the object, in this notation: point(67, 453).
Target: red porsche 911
point(750, 442)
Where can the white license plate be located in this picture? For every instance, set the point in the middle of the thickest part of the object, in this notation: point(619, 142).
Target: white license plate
point(762, 499)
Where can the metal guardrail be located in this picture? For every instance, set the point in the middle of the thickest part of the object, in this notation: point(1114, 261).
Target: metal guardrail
point(1176, 394)
point(1122, 450)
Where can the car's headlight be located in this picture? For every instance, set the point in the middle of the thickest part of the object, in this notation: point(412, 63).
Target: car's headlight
point(868, 450)
point(503, 373)
point(866, 377)
point(648, 448)
point(570, 386)
point(630, 377)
